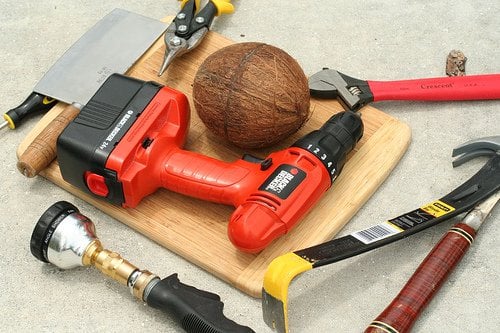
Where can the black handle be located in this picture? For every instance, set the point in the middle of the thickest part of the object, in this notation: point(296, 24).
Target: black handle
point(194, 21)
point(196, 310)
point(208, 13)
point(32, 104)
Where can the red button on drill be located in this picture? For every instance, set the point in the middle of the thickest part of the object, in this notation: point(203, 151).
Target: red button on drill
point(96, 184)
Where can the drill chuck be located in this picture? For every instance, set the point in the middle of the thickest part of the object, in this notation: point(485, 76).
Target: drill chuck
point(334, 141)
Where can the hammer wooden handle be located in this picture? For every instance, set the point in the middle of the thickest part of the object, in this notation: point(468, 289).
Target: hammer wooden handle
point(404, 310)
point(42, 151)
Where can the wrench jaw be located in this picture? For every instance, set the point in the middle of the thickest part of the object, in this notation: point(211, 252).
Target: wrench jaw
point(488, 146)
point(352, 93)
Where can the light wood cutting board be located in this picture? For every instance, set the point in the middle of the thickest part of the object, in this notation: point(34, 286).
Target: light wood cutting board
point(196, 229)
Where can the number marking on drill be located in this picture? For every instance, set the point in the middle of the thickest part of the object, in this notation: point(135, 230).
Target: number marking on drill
point(317, 151)
point(323, 157)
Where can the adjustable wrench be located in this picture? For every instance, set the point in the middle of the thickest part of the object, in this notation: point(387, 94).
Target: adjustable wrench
point(354, 93)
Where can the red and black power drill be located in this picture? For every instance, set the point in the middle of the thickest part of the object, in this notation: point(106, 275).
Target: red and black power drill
point(127, 142)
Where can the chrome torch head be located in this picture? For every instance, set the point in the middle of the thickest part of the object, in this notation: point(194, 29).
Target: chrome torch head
point(62, 235)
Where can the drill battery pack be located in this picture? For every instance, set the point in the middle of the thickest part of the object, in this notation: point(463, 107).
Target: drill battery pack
point(85, 147)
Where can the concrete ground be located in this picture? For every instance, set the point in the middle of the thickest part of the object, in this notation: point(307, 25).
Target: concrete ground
point(376, 40)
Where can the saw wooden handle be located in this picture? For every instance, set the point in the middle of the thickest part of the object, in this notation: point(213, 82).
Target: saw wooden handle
point(404, 310)
point(42, 151)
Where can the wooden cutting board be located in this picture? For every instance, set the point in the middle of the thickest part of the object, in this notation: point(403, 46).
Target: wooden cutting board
point(196, 229)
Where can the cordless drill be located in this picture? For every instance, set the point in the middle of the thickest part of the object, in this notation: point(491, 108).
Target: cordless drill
point(127, 142)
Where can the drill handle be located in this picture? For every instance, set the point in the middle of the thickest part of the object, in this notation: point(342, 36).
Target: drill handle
point(206, 178)
point(197, 311)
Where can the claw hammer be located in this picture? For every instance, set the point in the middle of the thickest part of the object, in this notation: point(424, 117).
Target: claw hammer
point(283, 269)
point(354, 93)
point(400, 315)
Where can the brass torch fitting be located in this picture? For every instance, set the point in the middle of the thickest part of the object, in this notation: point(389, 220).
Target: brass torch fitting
point(67, 239)
point(113, 265)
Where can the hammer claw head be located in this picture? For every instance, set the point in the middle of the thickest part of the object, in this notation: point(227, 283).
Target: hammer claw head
point(487, 146)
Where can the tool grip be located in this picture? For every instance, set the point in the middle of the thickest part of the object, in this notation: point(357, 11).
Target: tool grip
point(401, 314)
point(42, 151)
point(33, 103)
point(471, 87)
point(223, 7)
point(197, 311)
point(206, 178)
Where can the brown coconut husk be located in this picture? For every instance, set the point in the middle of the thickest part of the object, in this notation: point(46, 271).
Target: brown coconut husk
point(252, 94)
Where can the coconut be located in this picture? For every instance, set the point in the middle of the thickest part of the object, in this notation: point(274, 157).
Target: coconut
point(251, 94)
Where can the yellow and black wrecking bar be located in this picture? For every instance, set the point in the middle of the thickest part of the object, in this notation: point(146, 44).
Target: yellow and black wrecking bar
point(285, 268)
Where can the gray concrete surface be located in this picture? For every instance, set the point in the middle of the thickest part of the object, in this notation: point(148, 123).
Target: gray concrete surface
point(377, 40)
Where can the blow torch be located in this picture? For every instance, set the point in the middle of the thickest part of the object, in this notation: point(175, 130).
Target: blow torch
point(67, 239)
point(127, 142)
